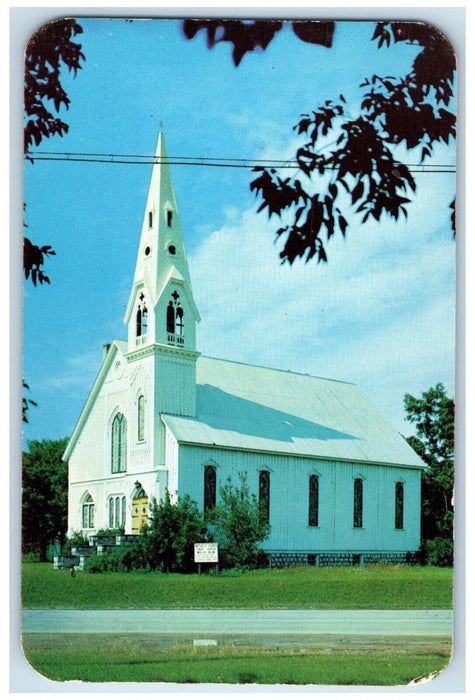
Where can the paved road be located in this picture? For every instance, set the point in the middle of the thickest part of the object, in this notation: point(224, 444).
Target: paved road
point(280, 622)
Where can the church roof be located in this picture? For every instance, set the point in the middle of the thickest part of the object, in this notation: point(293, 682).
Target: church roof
point(255, 408)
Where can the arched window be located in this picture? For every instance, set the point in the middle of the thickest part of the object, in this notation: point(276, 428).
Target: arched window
point(313, 500)
point(141, 418)
point(399, 505)
point(119, 444)
point(209, 499)
point(170, 318)
point(358, 503)
point(87, 516)
point(179, 320)
point(264, 496)
point(116, 512)
point(122, 517)
point(175, 324)
point(141, 324)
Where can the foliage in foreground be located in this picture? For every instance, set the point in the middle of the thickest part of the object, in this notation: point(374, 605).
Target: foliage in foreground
point(166, 544)
point(136, 659)
point(348, 159)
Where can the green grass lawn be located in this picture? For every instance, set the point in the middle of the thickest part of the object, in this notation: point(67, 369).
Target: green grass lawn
point(378, 586)
point(109, 658)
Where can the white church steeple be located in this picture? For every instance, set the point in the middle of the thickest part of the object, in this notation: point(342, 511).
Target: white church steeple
point(161, 308)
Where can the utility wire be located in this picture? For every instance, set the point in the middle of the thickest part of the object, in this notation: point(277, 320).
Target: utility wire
point(134, 159)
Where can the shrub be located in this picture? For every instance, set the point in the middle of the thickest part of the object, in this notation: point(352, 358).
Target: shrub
point(77, 539)
point(238, 527)
point(168, 540)
point(110, 531)
point(120, 559)
point(438, 551)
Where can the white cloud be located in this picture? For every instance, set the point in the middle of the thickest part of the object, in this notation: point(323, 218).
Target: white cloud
point(379, 314)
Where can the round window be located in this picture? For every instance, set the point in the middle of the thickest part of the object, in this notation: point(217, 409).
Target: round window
point(147, 250)
point(172, 250)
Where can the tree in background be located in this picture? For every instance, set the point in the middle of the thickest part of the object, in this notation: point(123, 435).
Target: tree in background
point(44, 496)
point(347, 161)
point(434, 417)
point(167, 542)
point(237, 525)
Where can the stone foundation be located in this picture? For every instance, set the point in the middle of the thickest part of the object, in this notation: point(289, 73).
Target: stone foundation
point(283, 559)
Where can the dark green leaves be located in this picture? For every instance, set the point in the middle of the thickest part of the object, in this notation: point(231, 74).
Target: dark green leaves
point(33, 261)
point(350, 160)
point(248, 35)
point(48, 50)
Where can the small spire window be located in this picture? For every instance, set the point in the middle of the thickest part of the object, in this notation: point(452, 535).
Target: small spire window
point(141, 318)
point(169, 218)
point(174, 320)
point(150, 219)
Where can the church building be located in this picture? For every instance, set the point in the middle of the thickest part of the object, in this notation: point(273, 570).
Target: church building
point(336, 481)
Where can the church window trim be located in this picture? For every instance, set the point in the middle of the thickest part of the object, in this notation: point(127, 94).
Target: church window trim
point(313, 500)
point(264, 496)
point(87, 511)
point(358, 503)
point(399, 505)
point(209, 488)
point(119, 444)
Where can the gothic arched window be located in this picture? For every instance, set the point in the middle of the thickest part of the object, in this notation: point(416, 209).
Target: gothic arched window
point(141, 418)
point(358, 503)
point(119, 444)
point(87, 514)
point(141, 317)
point(399, 506)
point(170, 318)
point(313, 495)
point(175, 320)
point(209, 499)
point(116, 512)
point(264, 496)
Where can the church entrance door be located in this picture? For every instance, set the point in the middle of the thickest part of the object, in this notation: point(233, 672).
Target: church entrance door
point(139, 509)
point(139, 514)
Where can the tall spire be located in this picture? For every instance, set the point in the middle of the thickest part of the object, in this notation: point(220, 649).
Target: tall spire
point(161, 258)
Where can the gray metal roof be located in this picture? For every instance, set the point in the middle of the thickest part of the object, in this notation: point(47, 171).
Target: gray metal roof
point(255, 408)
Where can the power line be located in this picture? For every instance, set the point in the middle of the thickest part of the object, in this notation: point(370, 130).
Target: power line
point(215, 162)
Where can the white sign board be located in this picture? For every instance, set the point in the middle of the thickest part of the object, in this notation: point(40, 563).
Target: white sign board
point(206, 552)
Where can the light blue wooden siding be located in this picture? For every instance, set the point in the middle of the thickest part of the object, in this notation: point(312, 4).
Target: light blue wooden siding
point(289, 483)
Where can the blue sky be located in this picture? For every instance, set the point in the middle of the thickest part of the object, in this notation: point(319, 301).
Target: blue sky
point(380, 314)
